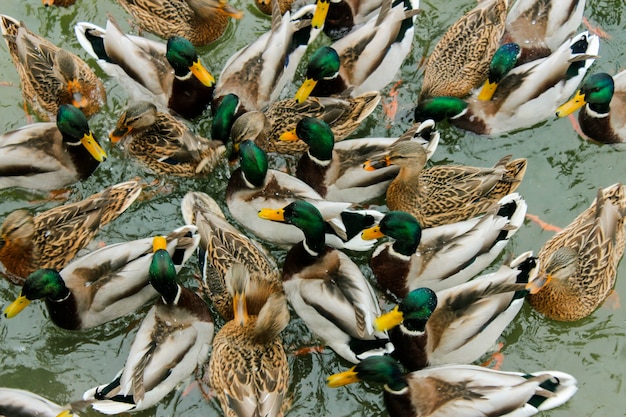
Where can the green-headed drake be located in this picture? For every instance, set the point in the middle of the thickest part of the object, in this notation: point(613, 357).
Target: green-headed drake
point(461, 323)
point(524, 96)
point(173, 340)
point(102, 285)
point(253, 186)
point(327, 289)
point(460, 389)
point(48, 155)
point(169, 75)
point(603, 117)
point(335, 169)
point(444, 256)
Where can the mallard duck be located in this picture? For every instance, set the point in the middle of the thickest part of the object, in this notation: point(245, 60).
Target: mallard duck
point(267, 6)
point(343, 115)
point(15, 402)
point(579, 264)
point(461, 389)
point(65, 152)
point(327, 289)
point(444, 256)
point(173, 340)
point(340, 17)
point(52, 238)
point(248, 369)
point(165, 144)
point(50, 76)
point(445, 194)
point(335, 170)
point(200, 21)
point(258, 72)
point(366, 59)
point(170, 75)
point(221, 246)
point(253, 186)
point(527, 95)
point(103, 285)
point(603, 117)
point(541, 26)
point(458, 324)
point(460, 60)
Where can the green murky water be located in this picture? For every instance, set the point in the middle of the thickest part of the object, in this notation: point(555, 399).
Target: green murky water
point(563, 175)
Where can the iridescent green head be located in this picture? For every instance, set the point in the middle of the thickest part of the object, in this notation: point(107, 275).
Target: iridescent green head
point(598, 89)
point(318, 135)
point(323, 64)
point(374, 369)
point(305, 216)
point(253, 163)
point(182, 56)
point(224, 117)
point(72, 122)
point(440, 108)
point(162, 271)
point(404, 228)
point(417, 307)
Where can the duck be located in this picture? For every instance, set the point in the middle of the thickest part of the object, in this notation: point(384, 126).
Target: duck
point(344, 115)
point(50, 76)
point(173, 340)
point(165, 144)
point(579, 263)
point(427, 193)
point(72, 152)
point(51, 239)
point(366, 59)
point(89, 292)
point(335, 170)
point(524, 97)
point(168, 74)
point(253, 186)
point(222, 245)
point(327, 289)
point(444, 256)
point(461, 323)
point(602, 117)
point(460, 60)
point(252, 73)
point(248, 369)
point(15, 401)
point(267, 6)
point(338, 18)
point(460, 389)
point(540, 27)
point(199, 21)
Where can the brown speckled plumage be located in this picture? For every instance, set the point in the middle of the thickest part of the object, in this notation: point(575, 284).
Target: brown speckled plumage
point(248, 369)
point(200, 21)
point(52, 238)
point(165, 144)
point(582, 259)
point(225, 245)
point(343, 115)
point(50, 76)
point(448, 193)
point(460, 60)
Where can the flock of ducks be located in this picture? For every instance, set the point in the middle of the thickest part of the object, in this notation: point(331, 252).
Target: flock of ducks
point(445, 224)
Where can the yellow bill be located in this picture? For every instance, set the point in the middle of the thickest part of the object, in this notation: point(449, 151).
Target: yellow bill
point(389, 320)
point(342, 378)
point(93, 147)
point(278, 215)
point(16, 307)
point(202, 74)
point(572, 105)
